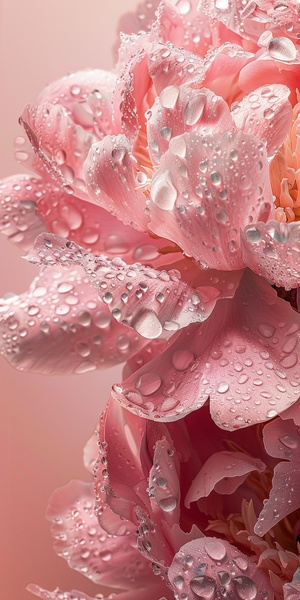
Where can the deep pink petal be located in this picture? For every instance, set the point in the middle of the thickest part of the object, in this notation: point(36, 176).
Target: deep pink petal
point(87, 97)
point(265, 113)
point(272, 249)
point(60, 326)
point(149, 300)
point(245, 357)
point(204, 567)
point(206, 190)
point(110, 177)
point(60, 146)
point(223, 472)
point(282, 440)
point(292, 413)
point(79, 539)
point(19, 220)
point(181, 109)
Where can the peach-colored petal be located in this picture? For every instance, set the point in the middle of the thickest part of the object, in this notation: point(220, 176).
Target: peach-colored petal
point(282, 440)
point(272, 249)
point(223, 472)
point(79, 539)
point(206, 190)
point(205, 567)
point(244, 357)
point(61, 326)
point(181, 109)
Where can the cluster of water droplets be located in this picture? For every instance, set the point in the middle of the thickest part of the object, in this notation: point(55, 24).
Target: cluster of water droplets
point(213, 569)
point(164, 486)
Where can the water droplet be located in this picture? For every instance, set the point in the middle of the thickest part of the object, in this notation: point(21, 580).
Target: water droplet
point(147, 324)
point(194, 109)
point(184, 7)
point(102, 319)
point(289, 441)
point(245, 588)
point(266, 330)
point(64, 287)
point(182, 359)
point(163, 192)
point(223, 387)
point(178, 582)
point(282, 48)
point(84, 318)
point(168, 504)
point(224, 577)
point(289, 361)
point(241, 563)
point(148, 383)
point(203, 587)
point(215, 549)
point(169, 96)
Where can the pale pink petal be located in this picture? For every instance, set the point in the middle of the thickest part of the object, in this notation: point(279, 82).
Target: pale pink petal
point(60, 145)
point(272, 249)
point(60, 326)
point(169, 65)
point(223, 472)
point(87, 97)
point(222, 66)
point(111, 181)
point(206, 190)
point(245, 357)
point(90, 453)
point(164, 485)
point(79, 539)
point(139, 19)
point(281, 440)
point(148, 300)
point(205, 567)
point(265, 113)
point(19, 220)
point(181, 109)
point(291, 591)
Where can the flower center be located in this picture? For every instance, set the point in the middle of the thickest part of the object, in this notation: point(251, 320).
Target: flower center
point(285, 174)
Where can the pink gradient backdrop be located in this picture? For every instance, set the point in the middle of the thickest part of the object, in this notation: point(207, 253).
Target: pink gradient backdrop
point(45, 421)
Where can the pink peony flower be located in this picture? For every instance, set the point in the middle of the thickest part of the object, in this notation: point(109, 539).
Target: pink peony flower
point(167, 207)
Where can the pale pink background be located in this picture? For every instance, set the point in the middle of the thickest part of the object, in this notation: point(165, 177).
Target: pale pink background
point(44, 421)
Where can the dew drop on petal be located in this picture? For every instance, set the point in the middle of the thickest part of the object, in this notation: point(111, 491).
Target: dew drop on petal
point(148, 383)
point(182, 359)
point(282, 48)
point(168, 504)
point(203, 587)
point(245, 588)
point(147, 324)
point(163, 192)
point(266, 330)
point(215, 549)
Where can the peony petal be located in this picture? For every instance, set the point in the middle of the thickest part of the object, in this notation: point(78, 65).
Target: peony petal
point(19, 220)
point(223, 472)
point(57, 594)
point(266, 114)
point(272, 250)
point(60, 326)
point(164, 486)
point(204, 566)
point(293, 413)
point(169, 65)
point(282, 440)
point(206, 190)
point(222, 66)
point(110, 177)
point(245, 357)
point(291, 591)
point(87, 97)
point(60, 146)
point(153, 591)
point(265, 68)
point(146, 299)
point(106, 559)
point(181, 109)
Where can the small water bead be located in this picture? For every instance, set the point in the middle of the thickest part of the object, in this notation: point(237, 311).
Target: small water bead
point(183, 6)
point(83, 350)
point(245, 588)
point(194, 109)
point(163, 192)
point(222, 387)
point(203, 587)
point(222, 4)
point(178, 582)
point(266, 330)
point(84, 318)
point(64, 287)
point(62, 309)
point(123, 342)
point(224, 577)
point(282, 48)
point(182, 359)
point(148, 383)
point(169, 96)
point(289, 361)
